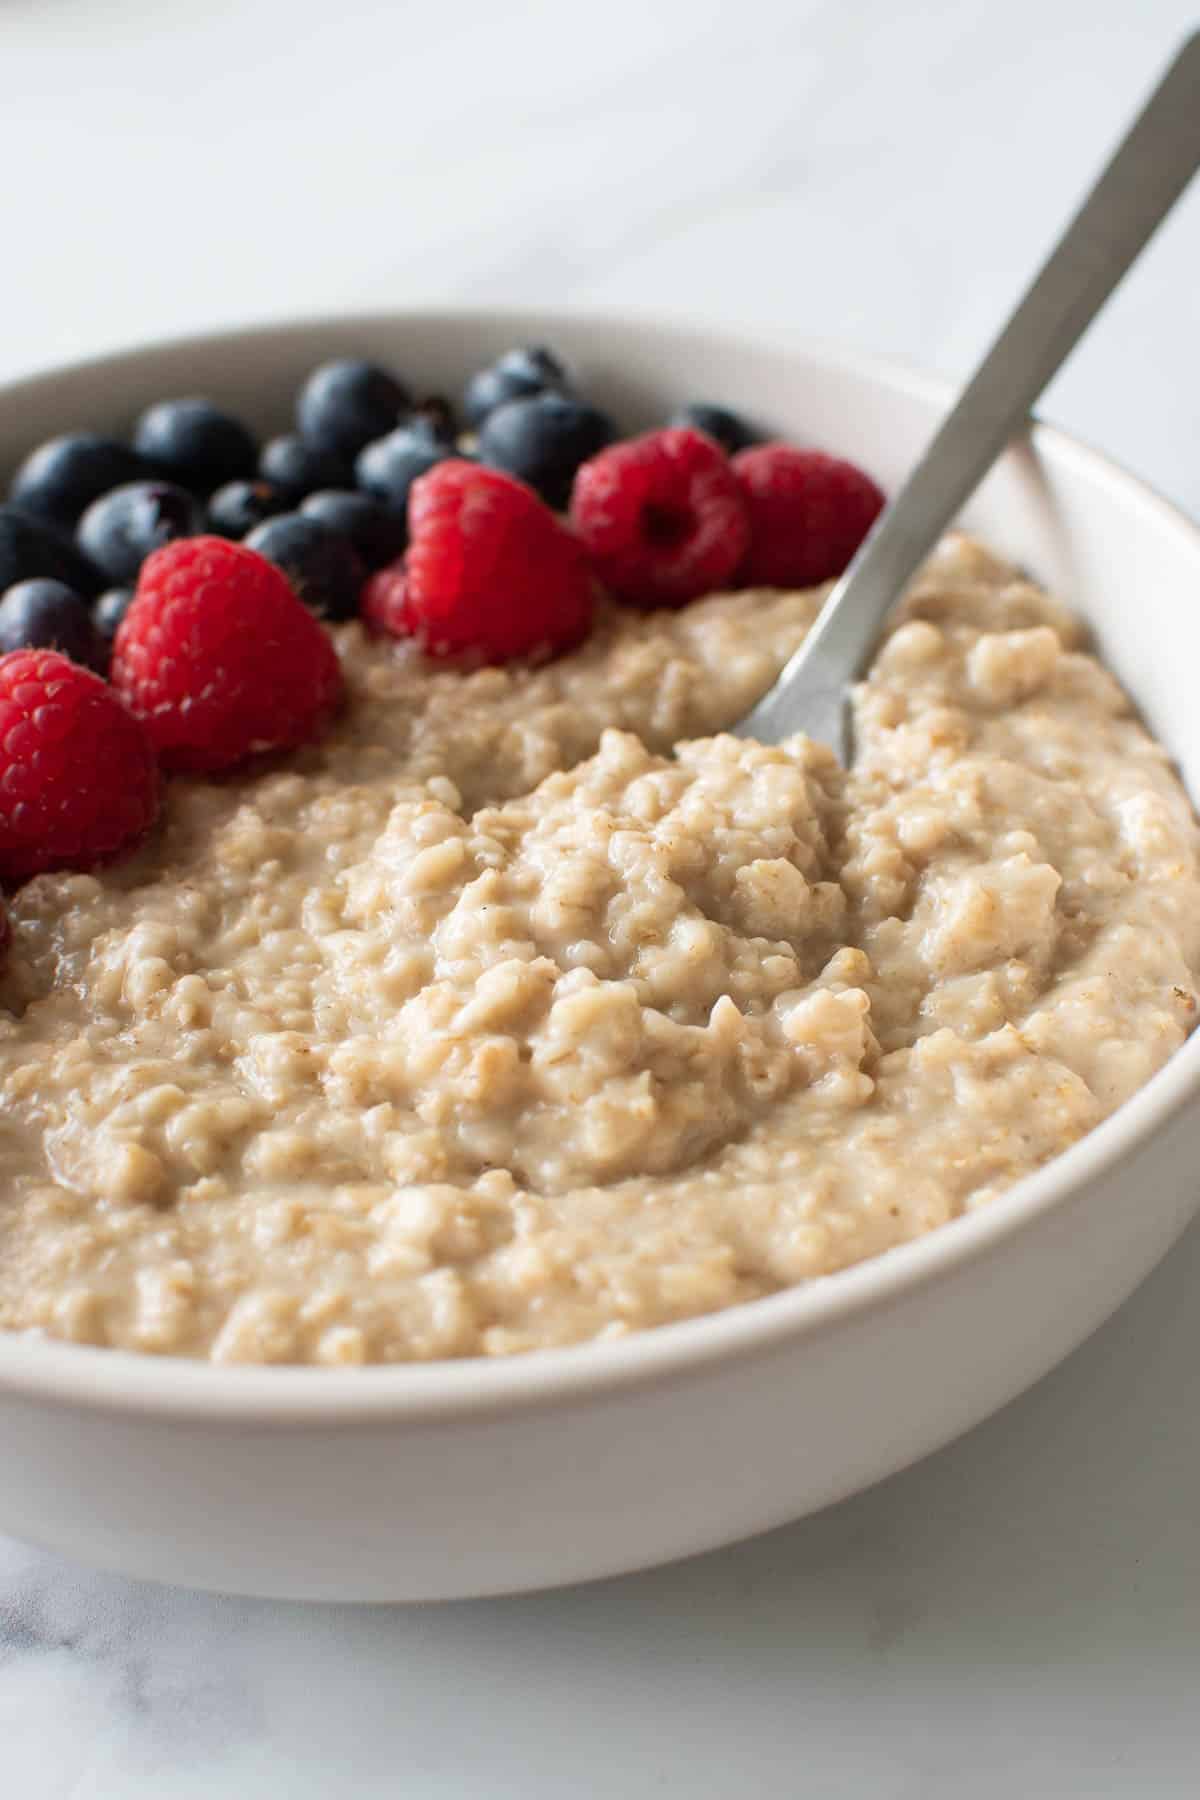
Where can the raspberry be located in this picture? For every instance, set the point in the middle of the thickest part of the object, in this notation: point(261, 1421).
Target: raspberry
point(661, 517)
point(384, 601)
point(78, 780)
point(220, 659)
point(490, 569)
point(808, 514)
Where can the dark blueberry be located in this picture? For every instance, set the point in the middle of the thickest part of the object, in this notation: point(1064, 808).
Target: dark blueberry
point(109, 610)
point(29, 547)
point(344, 405)
point(47, 615)
point(543, 440)
point(517, 374)
point(388, 467)
point(194, 443)
point(119, 530)
point(59, 479)
point(731, 431)
point(297, 467)
point(424, 428)
point(438, 414)
point(377, 533)
point(322, 566)
point(239, 506)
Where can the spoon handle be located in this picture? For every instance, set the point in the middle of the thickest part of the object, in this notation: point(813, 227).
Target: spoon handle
point(1149, 170)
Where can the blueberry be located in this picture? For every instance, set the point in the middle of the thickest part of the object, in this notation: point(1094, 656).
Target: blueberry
point(109, 610)
point(119, 530)
point(194, 443)
point(297, 467)
point(344, 404)
point(731, 431)
point(239, 506)
point(388, 467)
point(425, 427)
point(436, 412)
point(59, 479)
point(543, 439)
point(28, 547)
point(377, 533)
point(322, 566)
point(48, 615)
point(517, 374)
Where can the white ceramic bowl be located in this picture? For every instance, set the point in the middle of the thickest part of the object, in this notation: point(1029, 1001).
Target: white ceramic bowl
point(479, 1477)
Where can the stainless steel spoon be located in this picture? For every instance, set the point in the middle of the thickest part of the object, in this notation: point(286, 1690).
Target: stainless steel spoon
point(1150, 169)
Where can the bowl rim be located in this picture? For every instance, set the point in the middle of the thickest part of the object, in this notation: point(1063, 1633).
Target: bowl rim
point(266, 1396)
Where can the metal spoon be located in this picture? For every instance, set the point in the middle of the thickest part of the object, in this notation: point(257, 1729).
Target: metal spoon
point(1150, 169)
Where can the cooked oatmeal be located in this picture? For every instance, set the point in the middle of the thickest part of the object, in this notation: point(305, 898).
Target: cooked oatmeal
point(526, 1010)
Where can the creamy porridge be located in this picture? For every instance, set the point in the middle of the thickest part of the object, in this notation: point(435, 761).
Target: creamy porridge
point(497, 1022)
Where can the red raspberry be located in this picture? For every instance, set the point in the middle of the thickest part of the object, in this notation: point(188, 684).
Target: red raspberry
point(383, 604)
point(661, 517)
point(490, 569)
point(808, 514)
point(78, 780)
point(220, 658)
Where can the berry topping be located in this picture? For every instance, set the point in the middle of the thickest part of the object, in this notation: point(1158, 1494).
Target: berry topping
point(239, 506)
point(28, 548)
point(323, 567)
point(384, 605)
point(57, 481)
point(388, 467)
point(78, 781)
point(542, 439)
point(424, 428)
point(220, 659)
point(517, 374)
point(808, 514)
point(438, 414)
point(119, 530)
point(377, 533)
point(296, 467)
point(108, 612)
point(661, 517)
point(344, 404)
point(194, 443)
point(490, 569)
point(47, 615)
point(729, 429)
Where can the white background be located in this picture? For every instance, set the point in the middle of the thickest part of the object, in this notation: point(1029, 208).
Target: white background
point(1020, 1615)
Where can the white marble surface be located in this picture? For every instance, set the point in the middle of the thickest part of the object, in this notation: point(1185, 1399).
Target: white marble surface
point(1020, 1615)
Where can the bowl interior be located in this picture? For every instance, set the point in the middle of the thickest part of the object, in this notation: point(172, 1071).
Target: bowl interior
point(1074, 521)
